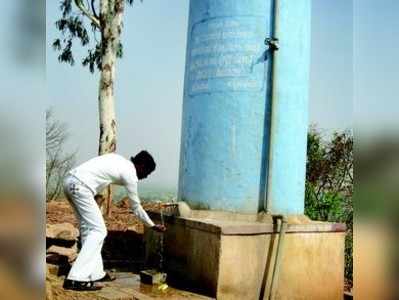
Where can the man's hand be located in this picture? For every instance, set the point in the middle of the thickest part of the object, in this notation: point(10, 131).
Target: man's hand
point(159, 228)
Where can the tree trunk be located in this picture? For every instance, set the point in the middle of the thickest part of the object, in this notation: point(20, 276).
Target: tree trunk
point(111, 13)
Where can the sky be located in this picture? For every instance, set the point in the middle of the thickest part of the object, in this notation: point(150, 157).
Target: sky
point(149, 84)
point(376, 66)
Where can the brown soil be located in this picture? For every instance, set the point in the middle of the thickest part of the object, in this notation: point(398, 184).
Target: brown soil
point(121, 218)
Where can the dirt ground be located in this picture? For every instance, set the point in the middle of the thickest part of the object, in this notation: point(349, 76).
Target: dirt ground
point(127, 286)
point(121, 218)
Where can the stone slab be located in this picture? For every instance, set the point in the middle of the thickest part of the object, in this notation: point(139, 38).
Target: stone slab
point(62, 231)
point(226, 223)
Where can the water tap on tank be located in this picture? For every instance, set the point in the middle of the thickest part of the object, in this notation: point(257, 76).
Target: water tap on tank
point(272, 43)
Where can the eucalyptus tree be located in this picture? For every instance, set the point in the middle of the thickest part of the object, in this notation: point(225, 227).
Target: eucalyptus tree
point(97, 26)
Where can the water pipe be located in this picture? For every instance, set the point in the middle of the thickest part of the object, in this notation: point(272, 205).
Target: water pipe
point(280, 247)
point(273, 45)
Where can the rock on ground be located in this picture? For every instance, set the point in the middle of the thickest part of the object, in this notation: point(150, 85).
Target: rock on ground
point(70, 253)
point(62, 231)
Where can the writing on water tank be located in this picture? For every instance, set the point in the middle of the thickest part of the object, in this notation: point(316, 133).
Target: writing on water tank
point(224, 55)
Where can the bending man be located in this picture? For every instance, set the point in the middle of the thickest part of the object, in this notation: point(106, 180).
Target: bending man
point(80, 186)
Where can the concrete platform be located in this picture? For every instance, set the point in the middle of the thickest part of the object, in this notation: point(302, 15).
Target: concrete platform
point(127, 286)
point(229, 256)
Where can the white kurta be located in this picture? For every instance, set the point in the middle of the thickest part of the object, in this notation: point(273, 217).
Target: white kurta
point(80, 186)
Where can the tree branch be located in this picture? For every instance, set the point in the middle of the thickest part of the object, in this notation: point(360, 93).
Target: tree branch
point(94, 9)
point(85, 12)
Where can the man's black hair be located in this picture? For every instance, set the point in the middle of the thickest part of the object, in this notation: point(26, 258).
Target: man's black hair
point(144, 158)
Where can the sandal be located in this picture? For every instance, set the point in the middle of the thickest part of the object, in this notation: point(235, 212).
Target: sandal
point(107, 277)
point(80, 285)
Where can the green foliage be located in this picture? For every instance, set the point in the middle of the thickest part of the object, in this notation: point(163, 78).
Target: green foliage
point(328, 207)
point(329, 184)
point(93, 59)
point(76, 25)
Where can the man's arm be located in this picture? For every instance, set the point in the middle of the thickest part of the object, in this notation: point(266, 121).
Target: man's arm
point(141, 213)
point(130, 183)
point(135, 204)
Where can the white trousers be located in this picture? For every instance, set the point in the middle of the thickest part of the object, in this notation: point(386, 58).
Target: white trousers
point(88, 266)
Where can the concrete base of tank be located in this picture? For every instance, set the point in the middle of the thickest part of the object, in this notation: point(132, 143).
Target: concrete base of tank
point(230, 256)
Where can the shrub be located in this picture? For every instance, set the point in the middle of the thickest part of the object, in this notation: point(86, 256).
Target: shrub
point(329, 184)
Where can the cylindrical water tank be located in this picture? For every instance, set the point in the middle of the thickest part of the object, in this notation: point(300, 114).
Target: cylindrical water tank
point(226, 106)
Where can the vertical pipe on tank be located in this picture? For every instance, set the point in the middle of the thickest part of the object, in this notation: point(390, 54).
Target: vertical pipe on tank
point(273, 51)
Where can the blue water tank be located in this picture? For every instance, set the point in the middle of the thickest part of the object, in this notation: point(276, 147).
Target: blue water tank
point(226, 106)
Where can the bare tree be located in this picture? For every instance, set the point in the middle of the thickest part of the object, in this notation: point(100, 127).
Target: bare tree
point(58, 163)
